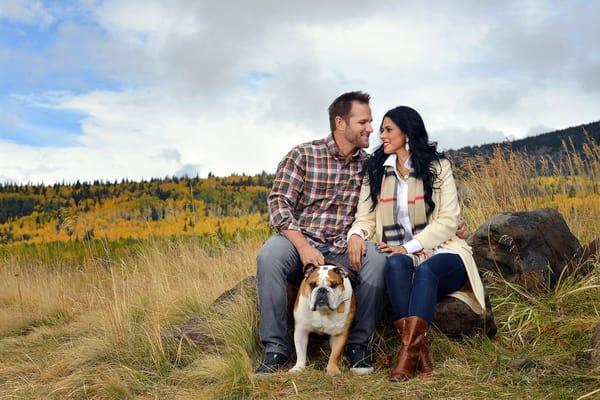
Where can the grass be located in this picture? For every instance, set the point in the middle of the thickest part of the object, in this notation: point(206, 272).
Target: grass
point(91, 322)
point(95, 330)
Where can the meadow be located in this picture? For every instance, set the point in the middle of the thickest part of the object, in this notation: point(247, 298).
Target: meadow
point(87, 319)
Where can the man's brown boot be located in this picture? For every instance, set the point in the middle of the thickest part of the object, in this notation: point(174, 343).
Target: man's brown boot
point(413, 330)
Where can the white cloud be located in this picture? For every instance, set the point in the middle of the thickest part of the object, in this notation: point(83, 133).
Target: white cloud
point(144, 134)
point(26, 11)
point(188, 102)
point(455, 138)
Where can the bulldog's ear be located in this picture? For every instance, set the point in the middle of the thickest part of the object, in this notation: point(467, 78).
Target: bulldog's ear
point(309, 269)
point(341, 272)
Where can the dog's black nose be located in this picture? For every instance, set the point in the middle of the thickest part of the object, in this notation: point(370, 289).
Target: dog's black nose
point(321, 297)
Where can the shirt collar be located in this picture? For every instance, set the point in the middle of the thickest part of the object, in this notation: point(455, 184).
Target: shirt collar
point(335, 150)
point(391, 162)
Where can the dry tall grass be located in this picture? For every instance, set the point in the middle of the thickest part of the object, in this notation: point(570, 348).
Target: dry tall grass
point(511, 181)
point(97, 325)
point(92, 329)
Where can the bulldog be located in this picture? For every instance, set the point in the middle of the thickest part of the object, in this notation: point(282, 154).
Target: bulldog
point(325, 305)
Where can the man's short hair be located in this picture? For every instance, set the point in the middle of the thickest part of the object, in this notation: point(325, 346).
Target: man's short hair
point(342, 105)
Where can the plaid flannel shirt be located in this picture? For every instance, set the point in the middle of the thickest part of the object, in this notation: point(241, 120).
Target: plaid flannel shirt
point(316, 192)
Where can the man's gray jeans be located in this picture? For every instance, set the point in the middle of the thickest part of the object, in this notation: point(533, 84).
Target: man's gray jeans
point(278, 262)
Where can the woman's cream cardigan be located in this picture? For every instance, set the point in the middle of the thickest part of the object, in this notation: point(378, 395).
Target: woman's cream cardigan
point(439, 232)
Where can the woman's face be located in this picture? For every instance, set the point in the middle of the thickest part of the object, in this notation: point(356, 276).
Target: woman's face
point(392, 137)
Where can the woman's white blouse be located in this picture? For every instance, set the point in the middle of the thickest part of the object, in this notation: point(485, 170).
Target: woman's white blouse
point(411, 245)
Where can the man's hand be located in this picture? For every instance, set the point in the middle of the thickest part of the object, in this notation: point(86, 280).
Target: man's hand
point(391, 250)
point(356, 249)
point(307, 252)
point(310, 255)
point(461, 230)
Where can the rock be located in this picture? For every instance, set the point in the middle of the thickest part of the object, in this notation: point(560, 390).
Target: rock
point(591, 250)
point(196, 332)
point(454, 318)
point(530, 248)
point(521, 364)
point(245, 286)
point(588, 255)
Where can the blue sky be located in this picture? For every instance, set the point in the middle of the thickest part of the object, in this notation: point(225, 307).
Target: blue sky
point(32, 71)
point(106, 89)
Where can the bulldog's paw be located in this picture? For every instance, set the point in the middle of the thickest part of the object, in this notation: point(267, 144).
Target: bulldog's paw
point(297, 368)
point(333, 370)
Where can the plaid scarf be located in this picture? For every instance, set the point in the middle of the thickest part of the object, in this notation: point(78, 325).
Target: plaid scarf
point(393, 232)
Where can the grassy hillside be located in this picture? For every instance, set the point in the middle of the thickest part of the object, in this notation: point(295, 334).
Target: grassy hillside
point(87, 318)
point(549, 146)
point(120, 210)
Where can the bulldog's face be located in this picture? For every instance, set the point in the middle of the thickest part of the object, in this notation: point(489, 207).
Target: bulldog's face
point(324, 286)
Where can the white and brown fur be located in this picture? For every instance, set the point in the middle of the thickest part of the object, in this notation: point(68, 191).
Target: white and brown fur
point(332, 317)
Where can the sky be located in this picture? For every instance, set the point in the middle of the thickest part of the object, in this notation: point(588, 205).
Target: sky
point(112, 89)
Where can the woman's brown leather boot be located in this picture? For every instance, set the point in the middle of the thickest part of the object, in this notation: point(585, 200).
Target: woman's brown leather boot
point(425, 366)
point(413, 330)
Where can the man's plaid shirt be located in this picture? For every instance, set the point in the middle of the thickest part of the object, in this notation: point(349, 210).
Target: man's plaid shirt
point(316, 192)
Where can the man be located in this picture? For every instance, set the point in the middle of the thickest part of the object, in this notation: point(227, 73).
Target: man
point(312, 206)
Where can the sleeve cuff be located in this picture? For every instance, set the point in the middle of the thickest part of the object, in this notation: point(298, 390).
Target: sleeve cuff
point(356, 231)
point(413, 246)
point(286, 225)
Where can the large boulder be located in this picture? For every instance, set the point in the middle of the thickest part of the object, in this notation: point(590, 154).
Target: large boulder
point(530, 248)
point(455, 318)
point(199, 331)
point(452, 317)
point(589, 253)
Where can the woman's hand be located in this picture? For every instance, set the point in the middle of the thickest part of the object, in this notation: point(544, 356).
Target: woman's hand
point(383, 247)
point(391, 250)
point(356, 249)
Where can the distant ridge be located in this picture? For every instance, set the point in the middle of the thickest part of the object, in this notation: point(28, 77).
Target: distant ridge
point(546, 144)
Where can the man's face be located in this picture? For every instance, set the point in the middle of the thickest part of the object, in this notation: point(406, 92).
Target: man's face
point(358, 127)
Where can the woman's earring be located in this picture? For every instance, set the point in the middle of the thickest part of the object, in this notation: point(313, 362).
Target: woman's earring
point(406, 146)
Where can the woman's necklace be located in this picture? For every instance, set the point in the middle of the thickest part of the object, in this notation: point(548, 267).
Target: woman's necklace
point(402, 170)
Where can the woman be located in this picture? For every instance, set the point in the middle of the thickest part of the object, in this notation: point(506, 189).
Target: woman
point(409, 205)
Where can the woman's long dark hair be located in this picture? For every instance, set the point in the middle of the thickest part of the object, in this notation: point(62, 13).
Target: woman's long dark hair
point(422, 154)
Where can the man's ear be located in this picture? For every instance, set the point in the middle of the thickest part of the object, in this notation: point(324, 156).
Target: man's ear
point(309, 269)
point(340, 123)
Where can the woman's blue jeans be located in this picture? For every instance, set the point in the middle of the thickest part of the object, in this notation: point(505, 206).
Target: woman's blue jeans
point(415, 291)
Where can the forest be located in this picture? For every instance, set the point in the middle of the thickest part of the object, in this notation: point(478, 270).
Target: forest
point(225, 206)
point(161, 206)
